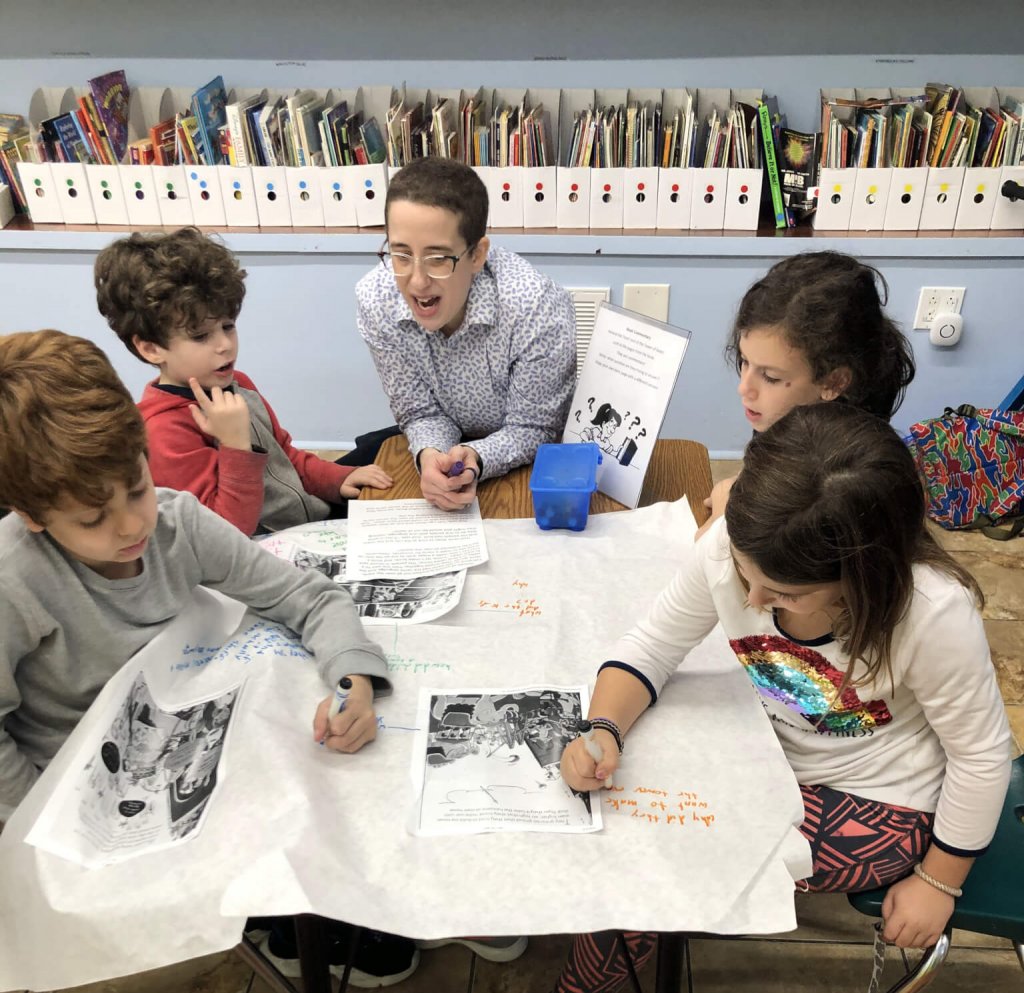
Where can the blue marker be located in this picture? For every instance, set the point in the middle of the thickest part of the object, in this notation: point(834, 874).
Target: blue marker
point(337, 704)
point(457, 469)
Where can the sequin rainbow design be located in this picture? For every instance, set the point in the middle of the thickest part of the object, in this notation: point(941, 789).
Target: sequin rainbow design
point(805, 682)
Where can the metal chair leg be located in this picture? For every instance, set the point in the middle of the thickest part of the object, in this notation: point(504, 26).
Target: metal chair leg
point(1018, 947)
point(926, 969)
point(669, 972)
point(250, 954)
point(311, 939)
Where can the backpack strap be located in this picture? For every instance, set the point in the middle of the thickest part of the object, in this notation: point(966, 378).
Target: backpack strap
point(1004, 530)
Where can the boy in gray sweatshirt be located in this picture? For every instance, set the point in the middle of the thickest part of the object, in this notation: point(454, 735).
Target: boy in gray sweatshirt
point(95, 561)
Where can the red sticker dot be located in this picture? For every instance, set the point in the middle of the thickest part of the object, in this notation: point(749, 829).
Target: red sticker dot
point(675, 187)
point(607, 188)
point(540, 186)
point(711, 189)
point(574, 187)
point(743, 189)
point(504, 186)
point(639, 186)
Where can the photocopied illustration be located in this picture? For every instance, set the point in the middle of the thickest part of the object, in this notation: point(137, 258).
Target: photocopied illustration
point(323, 546)
point(488, 760)
point(146, 785)
point(624, 389)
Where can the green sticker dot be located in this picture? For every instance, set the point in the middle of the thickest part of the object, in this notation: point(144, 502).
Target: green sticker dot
point(170, 186)
point(138, 186)
point(38, 182)
point(103, 183)
point(71, 182)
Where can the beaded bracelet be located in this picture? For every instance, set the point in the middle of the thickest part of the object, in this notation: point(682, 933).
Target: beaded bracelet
point(953, 891)
point(611, 727)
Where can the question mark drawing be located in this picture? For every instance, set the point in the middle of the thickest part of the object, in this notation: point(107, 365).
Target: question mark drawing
point(643, 433)
point(590, 404)
point(625, 415)
point(636, 421)
point(577, 417)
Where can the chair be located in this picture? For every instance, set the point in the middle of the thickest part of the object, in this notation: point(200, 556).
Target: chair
point(993, 900)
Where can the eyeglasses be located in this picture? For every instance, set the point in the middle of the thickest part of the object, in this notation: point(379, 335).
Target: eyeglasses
point(435, 266)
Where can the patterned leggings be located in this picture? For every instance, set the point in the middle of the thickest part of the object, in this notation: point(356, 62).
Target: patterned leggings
point(856, 844)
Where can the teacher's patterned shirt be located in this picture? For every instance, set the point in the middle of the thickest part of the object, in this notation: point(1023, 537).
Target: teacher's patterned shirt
point(502, 382)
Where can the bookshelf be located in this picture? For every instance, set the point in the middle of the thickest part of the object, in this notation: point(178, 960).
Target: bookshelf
point(298, 337)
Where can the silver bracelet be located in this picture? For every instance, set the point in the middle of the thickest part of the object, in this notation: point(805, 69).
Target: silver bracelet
point(953, 891)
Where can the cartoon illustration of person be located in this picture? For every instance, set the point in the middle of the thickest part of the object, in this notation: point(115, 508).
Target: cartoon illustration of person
point(602, 428)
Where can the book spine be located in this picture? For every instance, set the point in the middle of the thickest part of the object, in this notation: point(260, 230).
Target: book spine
point(236, 130)
point(771, 165)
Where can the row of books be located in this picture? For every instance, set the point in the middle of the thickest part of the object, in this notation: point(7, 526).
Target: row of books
point(939, 126)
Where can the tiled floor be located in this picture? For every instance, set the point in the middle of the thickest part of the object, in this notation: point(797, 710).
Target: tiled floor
point(829, 952)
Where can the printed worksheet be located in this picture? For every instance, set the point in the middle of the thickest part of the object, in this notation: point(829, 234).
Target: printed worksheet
point(324, 546)
point(488, 760)
point(406, 539)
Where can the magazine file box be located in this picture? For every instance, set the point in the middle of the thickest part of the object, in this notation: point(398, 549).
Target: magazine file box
point(941, 199)
point(504, 195)
point(606, 198)
point(977, 199)
point(835, 199)
point(37, 182)
point(907, 189)
point(640, 198)
point(540, 196)
point(6, 205)
point(171, 195)
point(870, 199)
point(270, 186)
point(707, 205)
point(73, 192)
point(305, 196)
point(573, 197)
point(338, 196)
point(675, 188)
point(107, 196)
point(204, 191)
point(239, 196)
point(1008, 214)
point(140, 195)
point(368, 186)
point(742, 199)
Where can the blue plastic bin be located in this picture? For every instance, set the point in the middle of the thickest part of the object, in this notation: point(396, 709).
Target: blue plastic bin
point(562, 480)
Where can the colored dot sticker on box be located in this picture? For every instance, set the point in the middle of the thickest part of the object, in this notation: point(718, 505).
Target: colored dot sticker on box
point(838, 188)
point(943, 187)
point(202, 184)
point(675, 187)
point(103, 183)
point(872, 189)
point(574, 187)
point(607, 188)
point(194, 175)
point(368, 183)
point(237, 185)
point(711, 188)
point(540, 186)
point(335, 186)
point(302, 184)
point(744, 188)
point(505, 186)
point(981, 187)
point(71, 182)
point(138, 186)
point(270, 186)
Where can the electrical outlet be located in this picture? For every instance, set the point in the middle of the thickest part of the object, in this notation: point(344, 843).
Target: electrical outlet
point(649, 299)
point(937, 300)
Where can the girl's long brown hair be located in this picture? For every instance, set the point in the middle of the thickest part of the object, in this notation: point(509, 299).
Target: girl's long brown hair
point(829, 494)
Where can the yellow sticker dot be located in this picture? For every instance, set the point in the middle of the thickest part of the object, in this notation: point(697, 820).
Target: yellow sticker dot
point(838, 188)
point(981, 187)
point(943, 187)
point(909, 188)
point(872, 189)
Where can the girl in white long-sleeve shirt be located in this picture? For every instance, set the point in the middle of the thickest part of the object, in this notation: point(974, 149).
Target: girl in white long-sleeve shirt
point(865, 641)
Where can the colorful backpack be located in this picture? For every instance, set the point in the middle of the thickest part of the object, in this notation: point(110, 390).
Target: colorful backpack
point(972, 464)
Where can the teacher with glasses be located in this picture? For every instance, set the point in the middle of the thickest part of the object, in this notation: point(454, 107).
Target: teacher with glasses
point(475, 349)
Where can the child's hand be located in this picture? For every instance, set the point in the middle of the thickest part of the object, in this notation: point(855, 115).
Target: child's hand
point(915, 913)
point(716, 503)
point(581, 772)
point(355, 726)
point(442, 490)
point(365, 475)
point(221, 415)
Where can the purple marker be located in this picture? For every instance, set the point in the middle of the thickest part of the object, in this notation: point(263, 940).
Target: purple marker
point(457, 469)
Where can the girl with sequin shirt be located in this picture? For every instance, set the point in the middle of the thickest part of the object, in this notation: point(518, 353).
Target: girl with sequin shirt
point(865, 642)
point(813, 328)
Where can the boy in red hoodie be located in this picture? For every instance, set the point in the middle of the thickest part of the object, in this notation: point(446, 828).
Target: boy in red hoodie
point(173, 300)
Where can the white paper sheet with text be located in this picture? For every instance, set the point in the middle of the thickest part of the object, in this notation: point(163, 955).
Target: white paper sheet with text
point(405, 539)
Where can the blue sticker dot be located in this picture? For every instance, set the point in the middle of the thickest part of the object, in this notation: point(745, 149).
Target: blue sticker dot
point(270, 186)
point(237, 185)
point(194, 175)
point(302, 184)
point(369, 183)
point(335, 186)
point(202, 184)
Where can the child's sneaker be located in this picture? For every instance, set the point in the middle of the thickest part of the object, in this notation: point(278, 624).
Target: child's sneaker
point(503, 949)
point(381, 959)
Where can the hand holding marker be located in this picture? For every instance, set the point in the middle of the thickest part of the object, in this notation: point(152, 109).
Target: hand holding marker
point(337, 704)
point(457, 469)
point(594, 750)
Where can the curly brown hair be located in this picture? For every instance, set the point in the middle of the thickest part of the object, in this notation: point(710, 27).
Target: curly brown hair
point(68, 425)
point(149, 285)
